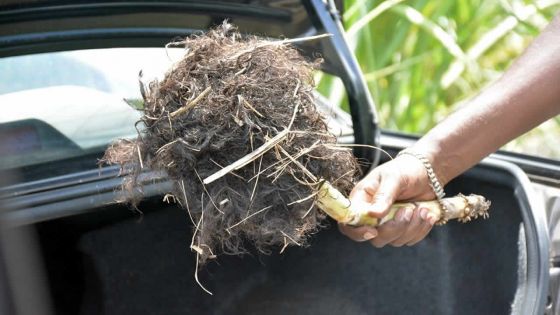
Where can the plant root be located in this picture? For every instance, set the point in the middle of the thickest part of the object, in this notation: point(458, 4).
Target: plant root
point(234, 125)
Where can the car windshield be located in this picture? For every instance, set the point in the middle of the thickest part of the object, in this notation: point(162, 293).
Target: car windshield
point(67, 104)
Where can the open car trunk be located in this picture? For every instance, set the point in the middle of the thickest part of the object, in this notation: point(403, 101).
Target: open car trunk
point(99, 257)
point(115, 261)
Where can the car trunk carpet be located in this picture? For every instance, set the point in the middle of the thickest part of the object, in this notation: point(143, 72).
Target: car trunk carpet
point(143, 265)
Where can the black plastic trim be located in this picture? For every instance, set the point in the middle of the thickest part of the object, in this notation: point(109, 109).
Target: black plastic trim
point(87, 39)
point(40, 12)
point(362, 107)
point(59, 181)
point(71, 187)
point(76, 206)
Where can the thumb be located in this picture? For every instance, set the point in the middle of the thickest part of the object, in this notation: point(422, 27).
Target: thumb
point(383, 197)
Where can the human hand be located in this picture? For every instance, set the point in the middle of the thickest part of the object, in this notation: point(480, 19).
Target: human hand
point(403, 178)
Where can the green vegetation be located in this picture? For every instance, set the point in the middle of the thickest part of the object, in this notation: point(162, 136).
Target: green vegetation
point(422, 58)
point(135, 103)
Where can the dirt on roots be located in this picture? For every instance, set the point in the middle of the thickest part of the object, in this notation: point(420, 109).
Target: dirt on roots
point(229, 95)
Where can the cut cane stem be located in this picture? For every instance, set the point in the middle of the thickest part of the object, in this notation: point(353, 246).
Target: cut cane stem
point(460, 207)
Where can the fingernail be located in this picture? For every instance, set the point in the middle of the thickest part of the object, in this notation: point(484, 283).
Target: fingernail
point(407, 215)
point(378, 207)
point(432, 219)
point(399, 214)
point(369, 235)
point(374, 212)
point(424, 213)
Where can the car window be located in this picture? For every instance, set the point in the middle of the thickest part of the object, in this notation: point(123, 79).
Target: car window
point(65, 104)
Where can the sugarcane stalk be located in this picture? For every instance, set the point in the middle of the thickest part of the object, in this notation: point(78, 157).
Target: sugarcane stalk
point(461, 207)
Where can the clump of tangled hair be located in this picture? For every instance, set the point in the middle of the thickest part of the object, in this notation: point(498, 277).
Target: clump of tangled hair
point(229, 95)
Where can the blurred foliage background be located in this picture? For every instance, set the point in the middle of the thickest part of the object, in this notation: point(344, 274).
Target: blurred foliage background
point(423, 59)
